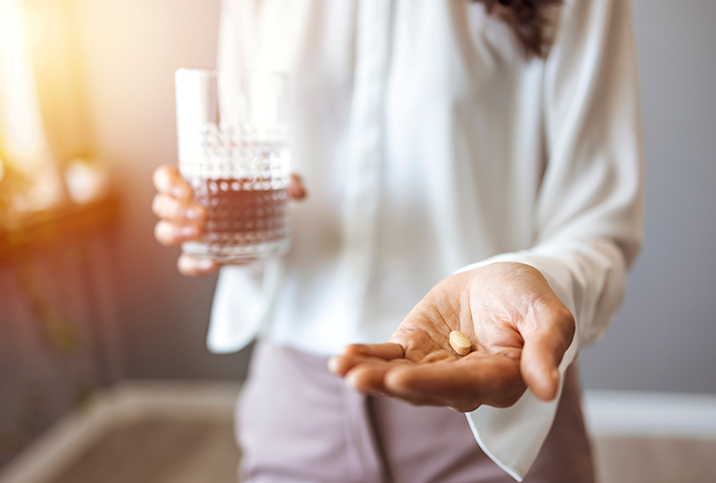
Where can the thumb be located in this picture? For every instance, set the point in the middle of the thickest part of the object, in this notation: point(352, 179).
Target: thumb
point(542, 353)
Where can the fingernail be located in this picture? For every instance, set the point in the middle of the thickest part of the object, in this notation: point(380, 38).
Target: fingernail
point(351, 381)
point(333, 365)
point(189, 231)
point(179, 192)
point(204, 263)
point(194, 213)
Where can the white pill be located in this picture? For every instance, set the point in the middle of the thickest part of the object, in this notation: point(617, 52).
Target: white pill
point(460, 343)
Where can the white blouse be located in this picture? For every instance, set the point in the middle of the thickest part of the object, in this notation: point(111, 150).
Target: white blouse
point(429, 145)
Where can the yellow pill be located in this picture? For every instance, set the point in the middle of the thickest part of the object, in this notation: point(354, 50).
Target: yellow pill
point(460, 343)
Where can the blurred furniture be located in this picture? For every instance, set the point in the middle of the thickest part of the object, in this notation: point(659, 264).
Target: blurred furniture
point(58, 338)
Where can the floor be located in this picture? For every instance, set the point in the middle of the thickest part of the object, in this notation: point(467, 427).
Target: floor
point(175, 451)
point(159, 451)
point(642, 460)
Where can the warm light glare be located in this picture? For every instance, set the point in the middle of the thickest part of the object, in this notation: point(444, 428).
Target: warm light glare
point(24, 138)
point(20, 113)
point(55, 43)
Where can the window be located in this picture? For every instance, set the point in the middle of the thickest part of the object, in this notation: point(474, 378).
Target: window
point(46, 158)
point(31, 180)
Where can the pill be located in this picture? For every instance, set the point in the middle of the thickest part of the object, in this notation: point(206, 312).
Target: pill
point(460, 343)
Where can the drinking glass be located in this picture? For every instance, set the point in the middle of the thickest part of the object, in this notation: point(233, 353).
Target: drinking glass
point(233, 151)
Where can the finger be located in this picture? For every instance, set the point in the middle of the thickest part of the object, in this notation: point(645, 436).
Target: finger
point(542, 353)
point(340, 365)
point(355, 354)
point(463, 384)
point(169, 234)
point(296, 189)
point(168, 180)
point(368, 376)
point(169, 208)
point(420, 400)
point(386, 351)
point(194, 266)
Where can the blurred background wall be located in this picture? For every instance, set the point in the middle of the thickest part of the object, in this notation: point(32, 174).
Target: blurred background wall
point(131, 50)
point(661, 341)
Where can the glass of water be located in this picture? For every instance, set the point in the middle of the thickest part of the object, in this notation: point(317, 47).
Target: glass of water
point(233, 151)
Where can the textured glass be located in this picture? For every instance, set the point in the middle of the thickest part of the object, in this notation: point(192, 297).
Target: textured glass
point(233, 151)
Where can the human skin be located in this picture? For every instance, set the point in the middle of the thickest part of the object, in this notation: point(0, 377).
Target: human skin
point(181, 220)
point(518, 327)
point(519, 331)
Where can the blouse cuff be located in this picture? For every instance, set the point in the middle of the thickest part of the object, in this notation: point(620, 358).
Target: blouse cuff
point(512, 437)
point(241, 303)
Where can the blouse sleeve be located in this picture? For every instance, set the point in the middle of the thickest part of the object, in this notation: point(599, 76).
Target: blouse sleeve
point(588, 215)
point(230, 51)
point(243, 294)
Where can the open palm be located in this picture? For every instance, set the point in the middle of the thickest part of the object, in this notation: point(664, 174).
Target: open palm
point(518, 327)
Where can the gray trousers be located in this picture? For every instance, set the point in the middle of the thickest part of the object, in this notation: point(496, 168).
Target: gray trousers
point(299, 423)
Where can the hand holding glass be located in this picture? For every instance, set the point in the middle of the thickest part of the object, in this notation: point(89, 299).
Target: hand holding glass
point(233, 153)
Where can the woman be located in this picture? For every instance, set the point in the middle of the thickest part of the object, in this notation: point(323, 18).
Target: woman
point(483, 153)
